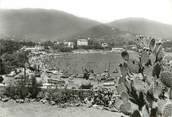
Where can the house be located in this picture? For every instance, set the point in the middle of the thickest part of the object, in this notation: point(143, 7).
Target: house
point(82, 42)
point(68, 44)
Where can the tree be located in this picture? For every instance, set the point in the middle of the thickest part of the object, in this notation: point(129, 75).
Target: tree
point(2, 68)
point(14, 60)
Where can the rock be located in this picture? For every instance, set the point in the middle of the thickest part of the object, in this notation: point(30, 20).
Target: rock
point(62, 106)
point(5, 99)
point(19, 101)
point(97, 106)
point(77, 104)
point(32, 100)
point(52, 102)
point(27, 100)
point(44, 101)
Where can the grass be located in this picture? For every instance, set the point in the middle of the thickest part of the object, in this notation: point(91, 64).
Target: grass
point(11, 109)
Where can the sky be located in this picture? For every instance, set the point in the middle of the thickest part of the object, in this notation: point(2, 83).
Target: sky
point(101, 10)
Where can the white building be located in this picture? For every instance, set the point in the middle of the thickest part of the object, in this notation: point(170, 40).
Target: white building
point(82, 42)
point(69, 44)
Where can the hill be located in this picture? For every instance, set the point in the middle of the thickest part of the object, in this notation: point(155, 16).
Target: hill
point(105, 32)
point(143, 26)
point(41, 24)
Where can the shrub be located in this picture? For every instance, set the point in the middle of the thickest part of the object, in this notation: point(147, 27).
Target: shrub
point(86, 86)
point(35, 87)
point(59, 95)
point(1, 79)
point(17, 90)
point(23, 88)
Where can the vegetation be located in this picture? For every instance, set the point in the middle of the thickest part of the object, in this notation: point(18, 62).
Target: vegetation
point(10, 56)
point(10, 46)
point(13, 60)
point(86, 86)
point(23, 88)
point(2, 68)
point(61, 96)
point(167, 46)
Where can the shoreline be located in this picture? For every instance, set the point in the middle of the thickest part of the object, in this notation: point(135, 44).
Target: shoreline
point(87, 52)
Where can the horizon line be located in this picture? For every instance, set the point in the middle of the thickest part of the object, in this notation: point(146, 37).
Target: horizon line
point(106, 22)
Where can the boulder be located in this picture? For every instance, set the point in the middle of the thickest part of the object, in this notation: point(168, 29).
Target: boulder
point(19, 101)
point(27, 100)
point(52, 102)
point(44, 101)
point(5, 99)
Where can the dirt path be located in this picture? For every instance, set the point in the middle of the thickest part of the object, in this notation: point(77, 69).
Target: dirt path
point(11, 109)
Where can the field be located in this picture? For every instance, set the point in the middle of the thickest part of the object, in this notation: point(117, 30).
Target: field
point(99, 62)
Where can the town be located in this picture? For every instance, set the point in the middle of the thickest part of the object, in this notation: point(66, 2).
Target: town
point(85, 58)
point(30, 73)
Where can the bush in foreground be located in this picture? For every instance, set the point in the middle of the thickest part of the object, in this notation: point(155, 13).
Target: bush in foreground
point(23, 88)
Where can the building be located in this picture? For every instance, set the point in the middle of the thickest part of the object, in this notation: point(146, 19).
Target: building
point(68, 44)
point(82, 42)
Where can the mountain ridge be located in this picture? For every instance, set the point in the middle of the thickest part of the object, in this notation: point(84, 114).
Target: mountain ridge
point(50, 24)
point(41, 23)
point(143, 26)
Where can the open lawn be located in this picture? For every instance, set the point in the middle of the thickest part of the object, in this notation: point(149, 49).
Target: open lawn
point(11, 109)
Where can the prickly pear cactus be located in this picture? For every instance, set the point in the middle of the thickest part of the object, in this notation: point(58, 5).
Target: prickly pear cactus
point(166, 78)
point(167, 110)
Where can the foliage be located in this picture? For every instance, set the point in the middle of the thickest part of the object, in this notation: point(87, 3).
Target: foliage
point(17, 89)
point(2, 67)
point(86, 86)
point(14, 60)
point(10, 56)
point(11, 46)
point(34, 89)
point(47, 44)
point(21, 88)
point(167, 44)
point(135, 97)
point(61, 96)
